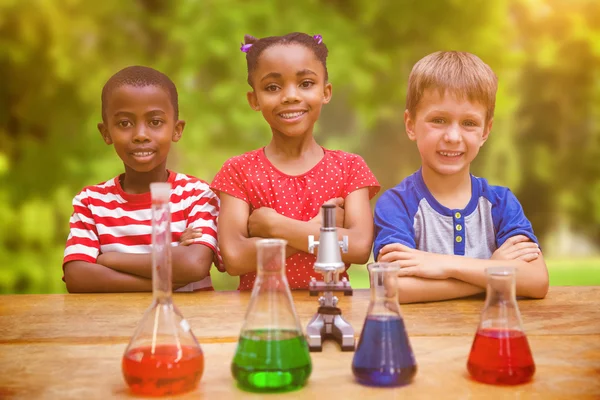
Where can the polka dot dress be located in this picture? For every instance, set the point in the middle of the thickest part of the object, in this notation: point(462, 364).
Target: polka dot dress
point(251, 177)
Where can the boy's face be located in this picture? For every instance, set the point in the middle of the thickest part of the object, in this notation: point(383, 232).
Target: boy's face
point(449, 131)
point(289, 89)
point(140, 123)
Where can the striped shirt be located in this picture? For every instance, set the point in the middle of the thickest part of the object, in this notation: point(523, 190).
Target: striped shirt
point(106, 219)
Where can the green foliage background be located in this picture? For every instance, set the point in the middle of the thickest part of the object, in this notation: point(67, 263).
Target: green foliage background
point(55, 56)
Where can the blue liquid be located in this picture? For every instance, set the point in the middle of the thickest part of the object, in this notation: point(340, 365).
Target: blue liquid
point(384, 356)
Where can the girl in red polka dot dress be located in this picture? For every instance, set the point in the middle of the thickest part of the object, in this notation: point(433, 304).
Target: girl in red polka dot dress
point(277, 191)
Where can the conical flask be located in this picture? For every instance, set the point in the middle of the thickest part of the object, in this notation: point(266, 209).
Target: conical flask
point(500, 353)
point(272, 353)
point(163, 356)
point(384, 356)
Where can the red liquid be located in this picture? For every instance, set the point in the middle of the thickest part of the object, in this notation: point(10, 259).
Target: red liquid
point(501, 357)
point(165, 371)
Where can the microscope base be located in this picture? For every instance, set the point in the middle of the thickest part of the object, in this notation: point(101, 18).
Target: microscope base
point(328, 323)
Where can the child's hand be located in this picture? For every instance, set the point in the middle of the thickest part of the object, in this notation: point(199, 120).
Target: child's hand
point(517, 248)
point(100, 259)
point(189, 235)
point(414, 262)
point(397, 252)
point(260, 222)
point(339, 213)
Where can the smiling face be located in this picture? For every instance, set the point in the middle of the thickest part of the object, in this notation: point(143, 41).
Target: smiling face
point(448, 130)
point(289, 89)
point(140, 123)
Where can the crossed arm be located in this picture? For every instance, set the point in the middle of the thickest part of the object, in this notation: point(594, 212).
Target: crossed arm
point(239, 229)
point(121, 272)
point(432, 277)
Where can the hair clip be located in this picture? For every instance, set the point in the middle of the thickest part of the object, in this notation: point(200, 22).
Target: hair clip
point(246, 47)
point(318, 38)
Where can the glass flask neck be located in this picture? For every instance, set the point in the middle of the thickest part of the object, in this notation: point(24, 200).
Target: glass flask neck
point(501, 286)
point(271, 306)
point(384, 290)
point(161, 243)
point(270, 255)
point(501, 310)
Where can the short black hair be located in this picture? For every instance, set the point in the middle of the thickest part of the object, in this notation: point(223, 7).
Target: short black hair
point(260, 45)
point(140, 76)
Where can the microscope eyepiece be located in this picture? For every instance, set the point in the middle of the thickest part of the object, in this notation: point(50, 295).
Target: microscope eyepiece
point(328, 216)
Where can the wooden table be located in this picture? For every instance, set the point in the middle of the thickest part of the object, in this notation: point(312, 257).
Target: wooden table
point(70, 346)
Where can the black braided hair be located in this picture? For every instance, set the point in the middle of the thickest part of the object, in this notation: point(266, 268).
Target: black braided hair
point(260, 45)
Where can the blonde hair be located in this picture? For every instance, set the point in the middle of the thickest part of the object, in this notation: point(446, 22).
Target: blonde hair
point(461, 73)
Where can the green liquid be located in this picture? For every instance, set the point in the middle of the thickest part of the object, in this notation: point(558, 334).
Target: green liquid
point(268, 361)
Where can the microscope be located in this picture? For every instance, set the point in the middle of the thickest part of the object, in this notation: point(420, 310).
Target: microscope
point(328, 322)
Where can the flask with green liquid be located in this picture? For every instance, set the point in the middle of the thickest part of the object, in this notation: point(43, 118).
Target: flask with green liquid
point(272, 352)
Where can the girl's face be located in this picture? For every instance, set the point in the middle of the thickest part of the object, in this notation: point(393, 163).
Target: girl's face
point(289, 89)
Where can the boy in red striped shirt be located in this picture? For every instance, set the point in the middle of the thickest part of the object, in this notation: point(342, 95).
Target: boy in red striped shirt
point(109, 245)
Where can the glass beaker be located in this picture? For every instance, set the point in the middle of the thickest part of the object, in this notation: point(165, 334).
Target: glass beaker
point(500, 353)
point(272, 352)
point(163, 356)
point(384, 356)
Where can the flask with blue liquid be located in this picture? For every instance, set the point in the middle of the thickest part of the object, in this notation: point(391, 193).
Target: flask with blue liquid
point(384, 356)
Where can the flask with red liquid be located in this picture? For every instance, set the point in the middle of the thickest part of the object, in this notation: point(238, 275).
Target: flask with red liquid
point(500, 353)
point(163, 356)
point(384, 356)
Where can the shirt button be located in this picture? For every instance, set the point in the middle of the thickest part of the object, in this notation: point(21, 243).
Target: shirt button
point(457, 215)
point(459, 227)
point(458, 239)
